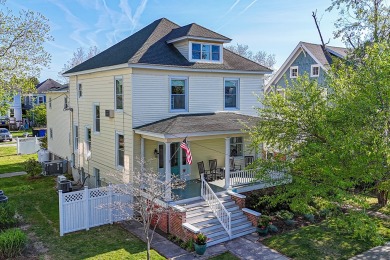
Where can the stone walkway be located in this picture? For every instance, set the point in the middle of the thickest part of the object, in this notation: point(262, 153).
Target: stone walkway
point(377, 253)
point(12, 174)
point(246, 247)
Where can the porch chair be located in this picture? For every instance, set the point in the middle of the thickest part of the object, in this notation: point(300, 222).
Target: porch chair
point(201, 170)
point(248, 160)
point(214, 170)
point(233, 166)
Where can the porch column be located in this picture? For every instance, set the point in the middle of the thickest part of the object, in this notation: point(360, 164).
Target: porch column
point(142, 154)
point(168, 172)
point(227, 163)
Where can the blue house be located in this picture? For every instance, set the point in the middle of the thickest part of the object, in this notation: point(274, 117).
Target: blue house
point(310, 58)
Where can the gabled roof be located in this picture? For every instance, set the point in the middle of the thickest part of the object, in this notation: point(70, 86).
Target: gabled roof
point(46, 85)
point(323, 56)
point(195, 31)
point(198, 124)
point(149, 46)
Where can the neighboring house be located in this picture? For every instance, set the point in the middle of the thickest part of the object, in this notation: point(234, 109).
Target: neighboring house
point(313, 59)
point(13, 118)
point(141, 97)
point(58, 123)
point(39, 97)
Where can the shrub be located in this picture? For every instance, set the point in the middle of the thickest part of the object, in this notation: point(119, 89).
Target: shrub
point(264, 221)
point(12, 243)
point(32, 167)
point(285, 214)
point(7, 216)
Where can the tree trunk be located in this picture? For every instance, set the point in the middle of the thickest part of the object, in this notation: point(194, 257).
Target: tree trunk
point(148, 249)
point(382, 198)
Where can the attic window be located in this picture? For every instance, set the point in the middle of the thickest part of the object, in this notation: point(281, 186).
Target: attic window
point(205, 52)
point(315, 71)
point(294, 72)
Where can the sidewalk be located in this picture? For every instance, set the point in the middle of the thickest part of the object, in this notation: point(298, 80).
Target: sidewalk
point(377, 253)
point(246, 247)
point(12, 174)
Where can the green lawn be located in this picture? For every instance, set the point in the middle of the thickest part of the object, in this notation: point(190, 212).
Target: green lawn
point(21, 133)
point(320, 241)
point(10, 161)
point(37, 201)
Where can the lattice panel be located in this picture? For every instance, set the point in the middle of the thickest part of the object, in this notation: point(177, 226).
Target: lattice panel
point(97, 193)
point(73, 197)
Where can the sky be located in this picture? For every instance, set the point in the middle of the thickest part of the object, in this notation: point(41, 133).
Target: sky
point(273, 26)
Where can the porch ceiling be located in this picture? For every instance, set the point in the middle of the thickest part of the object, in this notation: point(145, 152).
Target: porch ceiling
point(198, 125)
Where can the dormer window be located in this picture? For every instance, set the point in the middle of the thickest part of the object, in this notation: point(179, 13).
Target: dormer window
point(205, 52)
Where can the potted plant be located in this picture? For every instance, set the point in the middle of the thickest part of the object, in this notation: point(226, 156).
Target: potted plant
point(287, 216)
point(263, 225)
point(200, 243)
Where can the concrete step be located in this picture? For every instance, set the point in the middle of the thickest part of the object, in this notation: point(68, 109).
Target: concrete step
point(200, 222)
point(218, 240)
point(243, 232)
point(209, 215)
point(203, 210)
point(217, 233)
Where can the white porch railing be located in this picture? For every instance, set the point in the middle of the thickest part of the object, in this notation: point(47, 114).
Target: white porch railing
point(216, 206)
point(243, 177)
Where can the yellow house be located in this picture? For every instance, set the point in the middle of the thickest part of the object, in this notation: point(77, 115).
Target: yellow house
point(141, 97)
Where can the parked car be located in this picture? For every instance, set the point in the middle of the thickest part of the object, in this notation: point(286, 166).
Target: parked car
point(5, 135)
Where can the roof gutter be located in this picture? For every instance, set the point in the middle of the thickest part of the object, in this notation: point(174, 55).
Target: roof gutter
point(119, 66)
point(198, 38)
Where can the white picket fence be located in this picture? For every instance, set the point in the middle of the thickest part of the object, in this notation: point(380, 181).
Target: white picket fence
point(93, 207)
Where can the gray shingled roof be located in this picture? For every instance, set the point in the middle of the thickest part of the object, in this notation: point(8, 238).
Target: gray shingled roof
point(321, 55)
point(198, 123)
point(195, 30)
point(149, 46)
point(46, 85)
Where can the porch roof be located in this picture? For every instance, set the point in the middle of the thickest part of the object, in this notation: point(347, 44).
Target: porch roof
point(198, 125)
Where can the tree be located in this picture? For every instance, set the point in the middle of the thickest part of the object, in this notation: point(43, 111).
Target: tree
point(148, 193)
point(38, 115)
point(79, 56)
point(335, 138)
point(22, 55)
point(260, 57)
point(362, 22)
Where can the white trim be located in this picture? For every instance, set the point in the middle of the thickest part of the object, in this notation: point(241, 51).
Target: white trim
point(198, 38)
point(117, 166)
point(287, 63)
point(172, 68)
point(183, 135)
point(237, 94)
point(186, 89)
point(115, 79)
point(291, 72)
point(94, 105)
point(211, 53)
point(311, 70)
point(252, 212)
point(114, 67)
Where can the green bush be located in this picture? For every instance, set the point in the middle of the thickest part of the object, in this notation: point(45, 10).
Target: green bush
point(285, 215)
point(12, 243)
point(7, 216)
point(32, 167)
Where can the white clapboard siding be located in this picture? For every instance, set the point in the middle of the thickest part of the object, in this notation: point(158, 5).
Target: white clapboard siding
point(182, 47)
point(93, 207)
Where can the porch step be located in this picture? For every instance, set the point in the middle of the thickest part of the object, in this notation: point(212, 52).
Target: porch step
point(192, 213)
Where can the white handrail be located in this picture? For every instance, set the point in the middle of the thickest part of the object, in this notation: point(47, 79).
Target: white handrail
point(243, 177)
point(216, 206)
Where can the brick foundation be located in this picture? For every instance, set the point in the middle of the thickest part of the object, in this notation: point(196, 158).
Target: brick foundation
point(238, 199)
point(176, 221)
point(252, 216)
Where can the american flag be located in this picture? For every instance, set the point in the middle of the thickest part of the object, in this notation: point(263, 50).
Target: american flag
point(185, 147)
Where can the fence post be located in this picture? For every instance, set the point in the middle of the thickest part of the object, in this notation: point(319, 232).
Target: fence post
point(60, 201)
point(110, 200)
point(86, 207)
point(17, 145)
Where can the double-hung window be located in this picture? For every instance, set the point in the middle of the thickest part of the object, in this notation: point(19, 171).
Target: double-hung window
point(118, 93)
point(88, 139)
point(205, 52)
point(236, 146)
point(179, 94)
point(315, 71)
point(96, 118)
point(80, 90)
point(75, 138)
point(120, 150)
point(11, 112)
point(294, 72)
point(231, 93)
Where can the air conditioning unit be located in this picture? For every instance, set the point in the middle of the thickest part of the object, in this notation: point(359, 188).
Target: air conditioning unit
point(61, 178)
point(65, 186)
point(54, 167)
point(110, 113)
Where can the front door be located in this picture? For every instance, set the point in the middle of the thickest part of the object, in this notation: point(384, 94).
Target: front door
point(175, 160)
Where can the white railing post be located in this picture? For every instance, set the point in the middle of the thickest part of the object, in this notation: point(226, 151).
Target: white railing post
point(227, 163)
point(201, 184)
point(60, 205)
point(86, 207)
point(110, 207)
point(17, 145)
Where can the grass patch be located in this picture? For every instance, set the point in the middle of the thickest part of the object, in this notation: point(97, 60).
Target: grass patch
point(321, 241)
point(225, 256)
point(37, 201)
point(11, 162)
point(21, 133)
